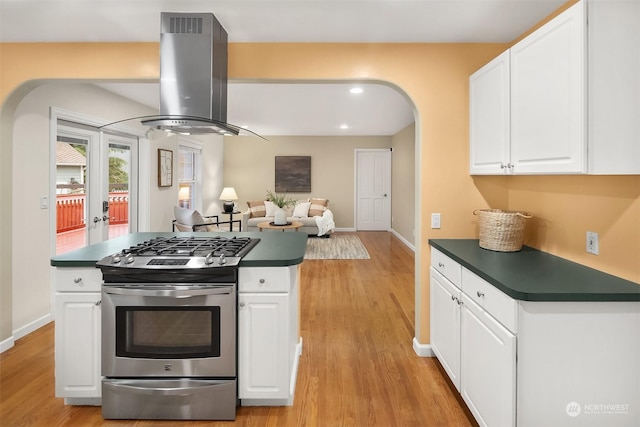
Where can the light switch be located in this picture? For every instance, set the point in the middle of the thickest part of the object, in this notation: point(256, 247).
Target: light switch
point(435, 220)
point(44, 202)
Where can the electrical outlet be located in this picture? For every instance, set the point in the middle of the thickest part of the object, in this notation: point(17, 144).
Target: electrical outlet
point(435, 220)
point(592, 242)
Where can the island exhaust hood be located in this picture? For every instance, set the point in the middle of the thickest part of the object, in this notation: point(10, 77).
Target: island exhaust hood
point(193, 77)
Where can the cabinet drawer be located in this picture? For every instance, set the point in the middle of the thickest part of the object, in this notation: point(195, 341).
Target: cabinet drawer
point(499, 305)
point(264, 279)
point(78, 279)
point(446, 266)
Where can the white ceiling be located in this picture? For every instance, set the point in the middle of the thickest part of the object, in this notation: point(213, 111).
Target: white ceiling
point(285, 109)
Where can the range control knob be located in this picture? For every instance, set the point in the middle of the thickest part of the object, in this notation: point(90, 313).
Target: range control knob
point(115, 258)
point(128, 258)
point(208, 260)
point(222, 260)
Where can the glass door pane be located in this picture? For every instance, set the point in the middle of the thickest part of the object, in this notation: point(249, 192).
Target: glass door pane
point(118, 214)
point(71, 192)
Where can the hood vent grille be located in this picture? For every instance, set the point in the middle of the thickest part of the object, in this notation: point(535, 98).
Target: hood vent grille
point(179, 25)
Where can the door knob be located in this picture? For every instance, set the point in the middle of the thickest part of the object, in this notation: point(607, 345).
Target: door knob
point(96, 220)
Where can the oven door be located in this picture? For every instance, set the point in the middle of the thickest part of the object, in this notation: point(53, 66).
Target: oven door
point(169, 330)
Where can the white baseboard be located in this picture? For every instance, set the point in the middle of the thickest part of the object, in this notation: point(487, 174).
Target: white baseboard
point(7, 344)
point(403, 240)
point(422, 350)
point(344, 230)
point(30, 327)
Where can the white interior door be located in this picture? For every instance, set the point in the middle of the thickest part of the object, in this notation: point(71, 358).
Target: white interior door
point(373, 190)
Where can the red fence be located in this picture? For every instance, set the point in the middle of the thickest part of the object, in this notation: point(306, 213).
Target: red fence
point(70, 210)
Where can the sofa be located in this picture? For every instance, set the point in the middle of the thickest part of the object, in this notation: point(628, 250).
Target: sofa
point(314, 214)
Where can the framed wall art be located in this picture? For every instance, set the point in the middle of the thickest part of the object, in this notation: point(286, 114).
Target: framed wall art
point(293, 174)
point(165, 168)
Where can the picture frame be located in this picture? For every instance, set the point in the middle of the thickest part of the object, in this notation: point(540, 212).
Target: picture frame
point(165, 168)
point(293, 174)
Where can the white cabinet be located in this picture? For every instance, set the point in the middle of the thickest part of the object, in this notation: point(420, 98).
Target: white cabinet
point(77, 334)
point(263, 323)
point(269, 343)
point(489, 118)
point(445, 325)
point(487, 366)
point(574, 97)
point(476, 350)
point(548, 97)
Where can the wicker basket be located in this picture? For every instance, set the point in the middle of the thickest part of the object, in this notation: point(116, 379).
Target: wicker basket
point(501, 231)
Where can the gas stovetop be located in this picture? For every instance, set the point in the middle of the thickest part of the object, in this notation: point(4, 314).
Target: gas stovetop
point(181, 253)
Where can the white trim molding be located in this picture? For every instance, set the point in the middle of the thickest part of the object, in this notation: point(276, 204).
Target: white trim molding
point(403, 240)
point(422, 350)
point(7, 344)
point(32, 326)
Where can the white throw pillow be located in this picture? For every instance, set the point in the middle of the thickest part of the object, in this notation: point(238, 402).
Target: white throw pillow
point(270, 208)
point(187, 216)
point(302, 210)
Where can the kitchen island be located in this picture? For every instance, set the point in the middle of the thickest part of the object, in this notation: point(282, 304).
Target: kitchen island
point(531, 339)
point(269, 342)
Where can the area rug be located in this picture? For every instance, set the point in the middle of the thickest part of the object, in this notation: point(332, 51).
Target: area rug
point(338, 246)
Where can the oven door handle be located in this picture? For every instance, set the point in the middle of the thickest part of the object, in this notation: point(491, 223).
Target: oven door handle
point(171, 293)
point(161, 387)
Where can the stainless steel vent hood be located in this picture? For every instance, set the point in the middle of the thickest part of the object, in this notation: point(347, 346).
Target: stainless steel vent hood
point(193, 76)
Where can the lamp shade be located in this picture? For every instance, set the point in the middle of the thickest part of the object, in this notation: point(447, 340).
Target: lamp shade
point(228, 193)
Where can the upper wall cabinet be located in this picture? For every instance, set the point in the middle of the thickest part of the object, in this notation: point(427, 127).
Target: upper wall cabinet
point(490, 148)
point(574, 97)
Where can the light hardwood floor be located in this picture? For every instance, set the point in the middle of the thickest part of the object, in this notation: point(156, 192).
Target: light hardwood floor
point(358, 367)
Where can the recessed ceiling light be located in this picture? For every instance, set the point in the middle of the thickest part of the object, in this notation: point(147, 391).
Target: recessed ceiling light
point(356, 90)
point(344, 126)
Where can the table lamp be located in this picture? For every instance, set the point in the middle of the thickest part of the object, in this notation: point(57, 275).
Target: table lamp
point(228, 195)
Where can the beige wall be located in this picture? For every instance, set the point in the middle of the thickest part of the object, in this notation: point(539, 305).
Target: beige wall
point(31, 251)
point(403, 188)
point(31, 284)
point(433, 76)
point(249, 167)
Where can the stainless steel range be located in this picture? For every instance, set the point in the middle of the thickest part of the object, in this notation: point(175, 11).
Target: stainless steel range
point(169, 329)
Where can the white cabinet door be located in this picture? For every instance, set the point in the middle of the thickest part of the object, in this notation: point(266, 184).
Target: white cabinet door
point(489, 115)
point(263, 350)
point(548, 98)
point(77, 344)
point(487, 366)
point(445, 325)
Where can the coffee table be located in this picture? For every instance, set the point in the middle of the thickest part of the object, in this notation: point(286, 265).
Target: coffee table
point(269, 226)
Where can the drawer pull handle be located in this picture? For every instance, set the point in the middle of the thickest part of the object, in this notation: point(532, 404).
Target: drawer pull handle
point(99, 302)
point(77, 280)
point(453, 297)
point(441, 265)
point(241, 304)
point(480, 294)
point(261, 280)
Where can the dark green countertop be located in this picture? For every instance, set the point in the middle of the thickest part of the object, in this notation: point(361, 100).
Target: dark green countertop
point(275, 249)
point(532, 275)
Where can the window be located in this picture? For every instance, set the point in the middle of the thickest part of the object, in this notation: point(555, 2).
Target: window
point(189, 176)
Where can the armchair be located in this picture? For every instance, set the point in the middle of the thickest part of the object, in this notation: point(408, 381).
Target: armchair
point(192, 220)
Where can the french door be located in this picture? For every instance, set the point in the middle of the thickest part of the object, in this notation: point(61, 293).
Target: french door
point(96, 183)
